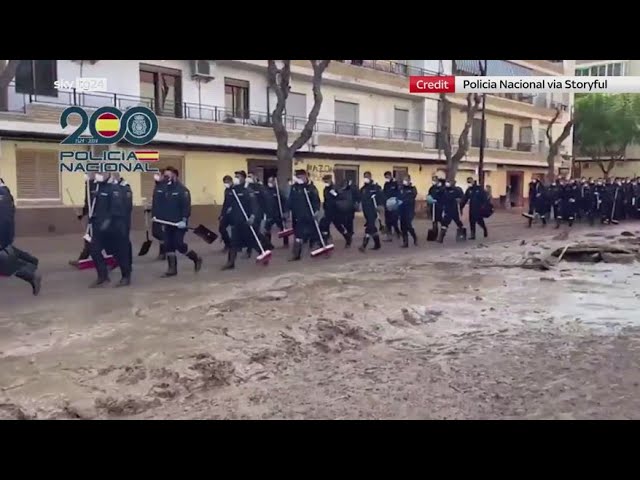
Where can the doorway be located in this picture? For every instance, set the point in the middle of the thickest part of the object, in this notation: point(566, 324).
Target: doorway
point(515, 184)
point(263, 169)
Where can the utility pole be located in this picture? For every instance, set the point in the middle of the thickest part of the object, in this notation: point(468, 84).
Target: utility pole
point(482, 133)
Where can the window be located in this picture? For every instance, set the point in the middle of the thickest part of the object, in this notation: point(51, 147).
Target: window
point(37, 77)
point(594, 71)
point(617, 69)
point(602, 70)
point(586, 166)
point(38, 175)
point(236, 98)
point(400, 122)
point(346, 115)
point(399, 173)
point(341, 173)
point(147, 183)
point(610, 69)
point(296, 111)
point(508, 135)
point(476, 132)
point(162, 88)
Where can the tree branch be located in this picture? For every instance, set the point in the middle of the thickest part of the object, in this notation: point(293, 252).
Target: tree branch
point(279, 79)
point(8, 72)
point(319, 66)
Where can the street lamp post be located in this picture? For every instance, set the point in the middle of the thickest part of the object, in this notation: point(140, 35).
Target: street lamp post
point(482, 135)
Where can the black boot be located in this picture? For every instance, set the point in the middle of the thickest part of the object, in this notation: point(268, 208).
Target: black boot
point(485, 231)
point(162, 255)
point(398, 232)
point(248, 253)
point(124, 281)
point(196, 259)
point(412, 232)
point(544, 221)
point(405, 240)
point(376, 242)
point(557, 223)
point(530, 222)
point(365, 242)
point(267, 242)
point(296, 252)
point(473, 233)
point(231, 260)
point(285, 242)
point(84, 254)
point(172, 266)
point(348, 237)
point(441, 234)
point(33, 278)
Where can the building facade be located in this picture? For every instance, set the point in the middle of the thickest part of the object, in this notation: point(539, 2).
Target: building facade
point(214, 120)
point(630, 166)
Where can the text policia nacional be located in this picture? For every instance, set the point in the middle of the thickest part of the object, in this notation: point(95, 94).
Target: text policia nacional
point(589, 85)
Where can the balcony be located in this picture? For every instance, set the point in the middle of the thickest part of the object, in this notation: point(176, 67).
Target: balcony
point(390, 66)
point(221, 122)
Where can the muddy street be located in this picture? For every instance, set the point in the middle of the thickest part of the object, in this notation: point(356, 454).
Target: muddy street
point(425, 334)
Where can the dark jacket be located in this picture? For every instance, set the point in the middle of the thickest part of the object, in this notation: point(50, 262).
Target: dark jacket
point(476, 197)
point(273, 208)
point(247, 198)
point(158, 195)
point(407, 195)
point(368, 193)
point(122, 203)
point(262, 201)
point(175, 203)
point(330, 202)
point(449, 201)
point(391, 189)
point(7, 217)
point(298, 204)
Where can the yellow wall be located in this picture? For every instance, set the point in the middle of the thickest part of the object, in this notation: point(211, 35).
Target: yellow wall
point(622, 169)
point(495, 125)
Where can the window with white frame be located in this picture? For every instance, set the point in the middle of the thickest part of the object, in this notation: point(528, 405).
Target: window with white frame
point(615, 69)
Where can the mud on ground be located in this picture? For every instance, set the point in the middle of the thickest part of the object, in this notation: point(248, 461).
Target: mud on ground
point(418, 336)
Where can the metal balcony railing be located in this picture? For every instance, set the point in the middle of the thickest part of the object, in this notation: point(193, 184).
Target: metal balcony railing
point(208, 113)
point(390, 66)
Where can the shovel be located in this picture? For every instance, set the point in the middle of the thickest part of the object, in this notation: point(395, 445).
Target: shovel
point(146, 245)
point(265, 255)
point(461, 233)
point(285, 232)
point(432, 233)
point(613, 209)
point(200, 231)
point(326, 249)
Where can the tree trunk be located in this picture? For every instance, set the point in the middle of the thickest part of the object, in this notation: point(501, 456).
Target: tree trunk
point(606, 169)
point(279, 81)
point(7, 72)
point(554, 145)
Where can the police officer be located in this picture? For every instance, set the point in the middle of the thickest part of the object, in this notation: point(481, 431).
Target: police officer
point(350, 201)
point(176, 208)
point(88, 200)
point(156, 228)
point(553, 195)
point(223, 219)
point(14, 261)
point(590, 201)
point(407, 210)
point(122, 211)
point(450, 202)
point(569, 198)
point(303, 217)
point(332, 211)
point(276, 208)
point(262, 199)
point(538, 202)
point(238, 193)
point(391, 190)
point(476, 197)
point(372, 199)
point(534, 186)
point(433, 197)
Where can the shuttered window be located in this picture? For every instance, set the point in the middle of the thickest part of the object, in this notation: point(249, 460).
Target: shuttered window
point(147, 182)
point(38, 175)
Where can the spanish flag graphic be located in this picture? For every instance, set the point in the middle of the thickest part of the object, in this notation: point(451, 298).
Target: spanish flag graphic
point(107, 125)
point(147, 155)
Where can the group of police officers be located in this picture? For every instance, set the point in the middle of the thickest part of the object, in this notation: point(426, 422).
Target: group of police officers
point(251, 210)
point(606, 201)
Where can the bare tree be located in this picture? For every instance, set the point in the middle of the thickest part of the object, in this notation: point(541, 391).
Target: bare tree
point(474, 102)
point(280, 82)
point(7, 72)
point(554, 145)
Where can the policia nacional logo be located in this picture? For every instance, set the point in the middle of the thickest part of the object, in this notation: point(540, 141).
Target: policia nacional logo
point(108, 126)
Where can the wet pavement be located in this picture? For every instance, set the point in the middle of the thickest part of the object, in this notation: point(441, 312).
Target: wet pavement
point(426, 332)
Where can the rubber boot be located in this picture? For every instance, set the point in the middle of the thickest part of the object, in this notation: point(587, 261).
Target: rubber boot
point(441, 234)
point(84, 254)
point(365, 242)
point(530, 222)
point(473, 232)
point(267, 242)
point(172, 265)
point(285, 242)
point(347, 240)
point(196, 259)
point(376, 242)
point(405, 240)
point(231, 259)
point(162, 255)
point(412, 232)
point(544, 221)
point(296, 252)
point(124, 281)
point(33, 278)
point(485, 230)
point(557, 223)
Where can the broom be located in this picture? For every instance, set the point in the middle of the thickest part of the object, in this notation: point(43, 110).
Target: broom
point(326, 249)
point(88, 263)
point(432, 233)
point(265, 255)
point(285, 232)
point(613, 209)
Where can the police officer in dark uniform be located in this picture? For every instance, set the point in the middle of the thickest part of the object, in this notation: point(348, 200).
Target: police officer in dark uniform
point(553, 194)
point(476, 197)
point(303, 217)
point(450, 202)
point(223, 220)
point(275, 202)
point(538, 202)
point(372, 199)
point(590, 201)
point(156, 228)
point(407, 210)
point(351, 200)
point(176, 208)
point(100, 223)
point(241, 236)
point(569, 198)
point(534, 186)
point(332, 213)
point(122, 211)
point(391, 190)
point(262, 201)
point(91, 184)
point(433, 199)
point(14, 261)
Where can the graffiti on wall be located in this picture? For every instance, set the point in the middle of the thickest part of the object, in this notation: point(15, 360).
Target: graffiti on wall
point(317, 171)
